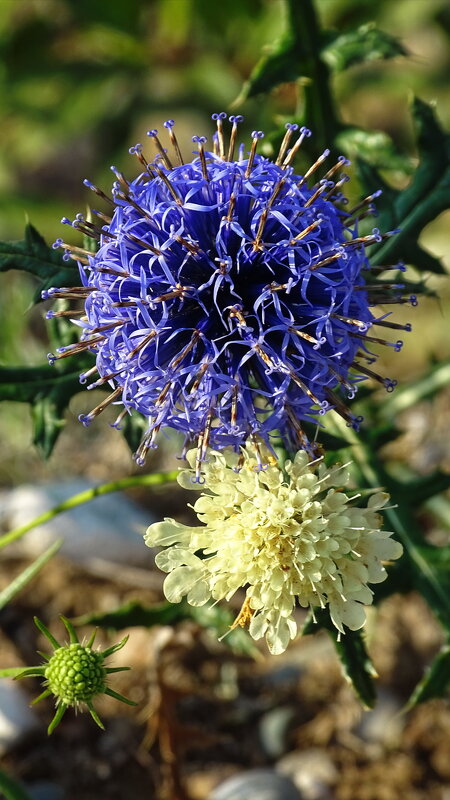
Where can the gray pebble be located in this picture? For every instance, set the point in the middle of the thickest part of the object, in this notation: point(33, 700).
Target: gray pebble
point(16, 717)
point(44, 790)
point(312, 771)
point(273, 730)
point(383, 724)
point(256, 784)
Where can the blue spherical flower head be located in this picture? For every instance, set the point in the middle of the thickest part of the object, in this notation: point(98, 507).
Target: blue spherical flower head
point(229, 296)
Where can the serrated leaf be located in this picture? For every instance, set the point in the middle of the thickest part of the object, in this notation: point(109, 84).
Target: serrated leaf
point(217, 619)
point(288, 58)
point(435, 681)
point(48, 390)
point(134, 614)
point(351, 649)
point(374, 147)
point(425, 198)
point(34, 256)
point(366, 43)
point(281, 64)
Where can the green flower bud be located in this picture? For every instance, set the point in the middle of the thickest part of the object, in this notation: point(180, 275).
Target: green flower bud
point(75, 673)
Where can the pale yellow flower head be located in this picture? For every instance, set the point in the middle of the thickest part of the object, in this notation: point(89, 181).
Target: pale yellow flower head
point(283, 536)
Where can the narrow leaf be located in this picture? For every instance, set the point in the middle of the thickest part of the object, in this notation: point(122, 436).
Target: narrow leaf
point(12, 789)
point(28, 574)
point(435, 681)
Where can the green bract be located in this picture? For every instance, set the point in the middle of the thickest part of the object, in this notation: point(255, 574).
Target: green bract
point(75, 673)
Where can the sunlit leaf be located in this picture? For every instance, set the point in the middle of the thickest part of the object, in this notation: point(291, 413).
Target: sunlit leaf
point(435, 681)
point(366, 43)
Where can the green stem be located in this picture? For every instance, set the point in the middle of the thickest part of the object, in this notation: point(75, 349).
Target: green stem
point(320, 113)
point(84, 497)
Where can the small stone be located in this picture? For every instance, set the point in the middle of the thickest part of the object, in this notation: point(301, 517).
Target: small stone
point(44, 790)
point(274, 729)
point(312, 771)
point(16, 718)
point(256, 784)
point(283, 677)
point(383, 724)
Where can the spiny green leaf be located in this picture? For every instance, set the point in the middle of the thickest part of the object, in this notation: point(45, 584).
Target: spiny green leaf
point(33, 255)
point(353, 655)
point(366, 43)
point(135, 614)
point(374, 147)
point(281, 64)
point(48, 390)
point(427, 195)
point(217, 619)
point(288, 58)
point(435, 681)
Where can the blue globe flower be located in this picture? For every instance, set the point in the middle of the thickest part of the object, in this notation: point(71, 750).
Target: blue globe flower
point(228, 297)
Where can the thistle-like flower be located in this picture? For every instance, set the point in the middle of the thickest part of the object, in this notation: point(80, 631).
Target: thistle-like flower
point(75, 674)
point(229, 296)
point(281, 535)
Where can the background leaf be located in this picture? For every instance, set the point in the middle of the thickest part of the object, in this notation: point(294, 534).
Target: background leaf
point(34, 256)
point(435, 681)
point(366, 43)
point(427, 195)
point(48, 390)
point(216, 619)
point(12, 789)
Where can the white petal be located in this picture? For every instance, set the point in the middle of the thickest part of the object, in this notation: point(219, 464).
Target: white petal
point(166, 532)
point(378, 500)
point(278, 636)
point(174, 557)
point(258, 625)
point(199, 594)
point(180, 582)
point(353, 615)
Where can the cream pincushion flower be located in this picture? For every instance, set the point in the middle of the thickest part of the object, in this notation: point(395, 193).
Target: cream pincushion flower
point(283, 535)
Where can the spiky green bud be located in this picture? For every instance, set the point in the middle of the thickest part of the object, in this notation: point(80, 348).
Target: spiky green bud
point(75, 674)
